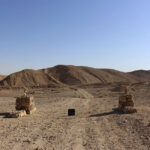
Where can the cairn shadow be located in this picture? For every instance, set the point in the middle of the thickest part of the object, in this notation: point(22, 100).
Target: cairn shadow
point(114, 111)
point(5, 114)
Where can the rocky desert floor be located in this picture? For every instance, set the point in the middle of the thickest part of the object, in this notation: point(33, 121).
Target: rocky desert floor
point(96, 125)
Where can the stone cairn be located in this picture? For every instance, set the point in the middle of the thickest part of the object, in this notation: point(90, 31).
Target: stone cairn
point(126, 103)
point(24, 105)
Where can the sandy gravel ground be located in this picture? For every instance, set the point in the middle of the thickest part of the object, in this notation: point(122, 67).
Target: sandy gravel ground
point(95, 127)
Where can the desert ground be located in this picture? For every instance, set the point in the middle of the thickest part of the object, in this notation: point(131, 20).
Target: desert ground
point(96, 126)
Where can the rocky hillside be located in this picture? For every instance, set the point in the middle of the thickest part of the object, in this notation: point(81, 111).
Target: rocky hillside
point(62, 75)
point(29, 78)
point(141, 75)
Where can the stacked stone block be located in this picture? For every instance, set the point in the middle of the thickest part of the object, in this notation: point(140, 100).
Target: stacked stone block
point(25, 103)
point(126, 104)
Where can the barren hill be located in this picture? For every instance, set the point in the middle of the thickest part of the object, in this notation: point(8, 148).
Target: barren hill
point(29, 78)
point(2, 77)
point(142, 75)
point(71, 75)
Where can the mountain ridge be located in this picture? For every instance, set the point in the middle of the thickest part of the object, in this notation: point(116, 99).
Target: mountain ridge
point(66, 75)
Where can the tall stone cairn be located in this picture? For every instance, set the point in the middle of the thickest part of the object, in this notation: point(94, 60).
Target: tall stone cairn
point(26, 103)
point(126, 103)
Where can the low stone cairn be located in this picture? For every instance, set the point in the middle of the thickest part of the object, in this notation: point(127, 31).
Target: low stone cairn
point(24, 105)
point(17, 114)
point(126, 104)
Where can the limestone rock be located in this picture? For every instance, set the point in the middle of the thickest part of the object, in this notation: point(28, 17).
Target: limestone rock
point(17, 114)
point(129, 109)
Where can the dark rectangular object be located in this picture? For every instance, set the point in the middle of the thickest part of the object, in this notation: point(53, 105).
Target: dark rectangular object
point(71, 112)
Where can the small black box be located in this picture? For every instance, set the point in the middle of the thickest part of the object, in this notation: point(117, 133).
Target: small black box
point(71, 112)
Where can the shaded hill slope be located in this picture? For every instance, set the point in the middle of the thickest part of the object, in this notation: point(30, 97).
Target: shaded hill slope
point(72, 75)
point(142, 75)
point(62, 75)
point(29, 78)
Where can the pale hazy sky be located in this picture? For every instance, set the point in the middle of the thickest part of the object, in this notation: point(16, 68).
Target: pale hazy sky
point(98, 33)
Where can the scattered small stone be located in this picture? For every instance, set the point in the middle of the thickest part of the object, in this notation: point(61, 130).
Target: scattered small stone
point(27, 141)
point(38, 148)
